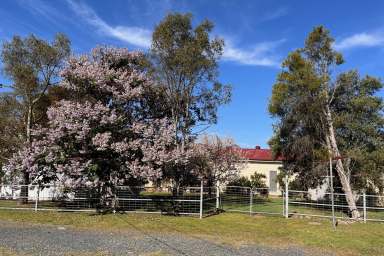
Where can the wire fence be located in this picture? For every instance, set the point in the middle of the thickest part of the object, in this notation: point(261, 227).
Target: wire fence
point(303, 203)
point(251, 200)
point(199, 201)
point(299, 203)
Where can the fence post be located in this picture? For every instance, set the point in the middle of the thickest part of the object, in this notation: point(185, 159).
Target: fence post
point(365, 207)
point(37, 197)
point(286, 196)
point(201, 199)
point(250, 201)
point(217, 195)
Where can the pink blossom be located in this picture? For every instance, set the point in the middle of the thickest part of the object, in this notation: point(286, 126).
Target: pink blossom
point(100, 139)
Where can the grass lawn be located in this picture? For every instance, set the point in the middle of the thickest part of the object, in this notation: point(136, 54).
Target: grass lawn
point(7, 252)
point(230, 228)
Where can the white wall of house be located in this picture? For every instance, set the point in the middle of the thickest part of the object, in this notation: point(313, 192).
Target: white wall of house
point(13, 192)
point(269, 168)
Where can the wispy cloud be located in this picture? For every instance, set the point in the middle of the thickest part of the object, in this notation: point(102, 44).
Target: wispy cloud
point(360, 40)
point(262, 54)
point(277, 13)
point(39, 8)
point(45, 13)
point(137, 36)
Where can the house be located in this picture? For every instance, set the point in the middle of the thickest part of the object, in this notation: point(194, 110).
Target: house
point(262, 161)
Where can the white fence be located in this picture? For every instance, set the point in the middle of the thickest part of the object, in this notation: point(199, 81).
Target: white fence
point(370, 207)
point(199, 201)
point(252, 201)
point(298, 204)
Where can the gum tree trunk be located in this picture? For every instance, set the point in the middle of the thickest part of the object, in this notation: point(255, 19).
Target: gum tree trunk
point(340, 168)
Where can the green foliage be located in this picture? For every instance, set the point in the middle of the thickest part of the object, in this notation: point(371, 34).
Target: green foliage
point(241, 182)
point(11, 127)
point(303, 93)
point(185, 63)
point(294, 184)
point(359, 125)
point(33, 65)
point(257, 180)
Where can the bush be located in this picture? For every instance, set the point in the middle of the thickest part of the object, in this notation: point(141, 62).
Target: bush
point(241, 182)
point(257, 180)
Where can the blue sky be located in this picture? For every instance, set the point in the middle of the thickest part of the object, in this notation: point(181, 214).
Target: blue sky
point(258, 35)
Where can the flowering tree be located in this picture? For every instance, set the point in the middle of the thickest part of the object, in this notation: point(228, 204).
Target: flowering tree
point(107, 133)
point(220, 159)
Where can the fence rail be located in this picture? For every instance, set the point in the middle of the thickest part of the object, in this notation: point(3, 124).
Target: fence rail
point(295, 204)
point(199, 201)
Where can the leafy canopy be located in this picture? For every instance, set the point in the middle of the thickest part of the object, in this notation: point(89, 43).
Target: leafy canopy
point(301, 96)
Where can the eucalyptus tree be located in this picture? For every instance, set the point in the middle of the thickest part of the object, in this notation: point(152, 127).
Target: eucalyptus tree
point(33, 65)
point(185, 60)
point(11, 129)
point(321, 115)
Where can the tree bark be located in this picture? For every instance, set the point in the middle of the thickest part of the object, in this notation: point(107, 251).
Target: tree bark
point(335, 153)
point(29, 124)
point(24, 189)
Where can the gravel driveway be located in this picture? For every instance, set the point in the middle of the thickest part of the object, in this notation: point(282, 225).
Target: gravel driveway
point(54, 240)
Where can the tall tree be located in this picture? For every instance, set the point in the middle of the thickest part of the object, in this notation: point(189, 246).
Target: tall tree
point(11, 128)
point(320, 117)
point(359, 124)
point(186, 64)
point(33, 66)
point(107, 134)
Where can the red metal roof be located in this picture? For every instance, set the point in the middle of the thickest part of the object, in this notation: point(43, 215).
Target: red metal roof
point(259, 154)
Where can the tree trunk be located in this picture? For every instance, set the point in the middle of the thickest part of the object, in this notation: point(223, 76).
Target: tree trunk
point(29, 124)
point(176, 187)
point(335, 153)
point(24, 188)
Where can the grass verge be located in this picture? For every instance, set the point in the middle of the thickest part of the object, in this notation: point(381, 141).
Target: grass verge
point(230, 228)
point(7, 252)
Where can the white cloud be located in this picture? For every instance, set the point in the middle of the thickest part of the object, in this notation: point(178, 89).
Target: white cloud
point(42, 9)
point(133, 35)
point(261, 54)
point(360, 40)
point(277, 13)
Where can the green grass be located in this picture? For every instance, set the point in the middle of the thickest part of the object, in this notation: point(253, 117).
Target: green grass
point(230, 228)
point(7, 252)
point(231, 203)
point(275, 205)
point(267, 205)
